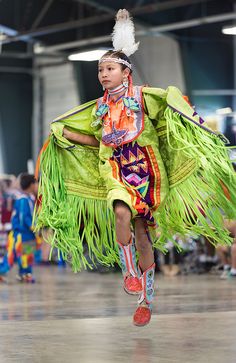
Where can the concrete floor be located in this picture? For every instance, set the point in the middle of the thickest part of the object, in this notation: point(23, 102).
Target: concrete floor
point(87, 318)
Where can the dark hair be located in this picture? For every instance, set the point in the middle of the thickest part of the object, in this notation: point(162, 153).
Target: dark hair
point(118, 54)
point(26, 180)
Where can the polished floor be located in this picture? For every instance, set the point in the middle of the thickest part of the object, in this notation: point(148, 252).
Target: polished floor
point(87, 318)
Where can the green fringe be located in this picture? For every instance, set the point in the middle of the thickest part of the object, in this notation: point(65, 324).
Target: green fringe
point(180, 212)
point(73, 222)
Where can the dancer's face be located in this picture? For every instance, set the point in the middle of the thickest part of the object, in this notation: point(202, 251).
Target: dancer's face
point(111, 75)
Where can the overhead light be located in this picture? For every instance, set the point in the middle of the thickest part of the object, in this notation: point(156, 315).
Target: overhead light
point(224, 111)
point(87, 56)
point(229, 30)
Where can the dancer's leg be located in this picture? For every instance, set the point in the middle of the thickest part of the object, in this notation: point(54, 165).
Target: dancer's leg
point(123, 219)
point(25, 259)
point(142, 314)
point(127, 252)
point(143, 244)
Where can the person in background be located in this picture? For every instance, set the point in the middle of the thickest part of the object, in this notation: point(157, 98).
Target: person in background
point(7, 198)
point(22, 236)
point(172, 258)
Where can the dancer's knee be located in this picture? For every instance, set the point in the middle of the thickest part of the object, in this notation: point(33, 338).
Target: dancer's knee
point(122, 213)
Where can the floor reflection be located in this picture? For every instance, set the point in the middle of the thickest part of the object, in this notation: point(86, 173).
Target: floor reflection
point(87, 318)
point(59, 293)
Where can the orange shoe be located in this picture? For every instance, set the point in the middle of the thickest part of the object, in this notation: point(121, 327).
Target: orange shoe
point(142, 315)
point(132, 285)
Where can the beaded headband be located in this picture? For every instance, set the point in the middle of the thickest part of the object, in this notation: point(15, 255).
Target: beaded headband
point(116, 60)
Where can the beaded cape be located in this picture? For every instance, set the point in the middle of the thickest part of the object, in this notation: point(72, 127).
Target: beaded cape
point(197, 181)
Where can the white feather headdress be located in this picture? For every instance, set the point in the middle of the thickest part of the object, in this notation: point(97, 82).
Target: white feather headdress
point(123, 36)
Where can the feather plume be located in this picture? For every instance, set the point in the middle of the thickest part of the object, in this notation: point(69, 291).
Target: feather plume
point(123, 33)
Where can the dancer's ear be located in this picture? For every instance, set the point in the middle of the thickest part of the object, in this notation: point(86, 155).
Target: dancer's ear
point(126, 72)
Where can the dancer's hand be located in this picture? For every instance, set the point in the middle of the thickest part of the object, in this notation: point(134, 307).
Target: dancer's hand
point(66, 133)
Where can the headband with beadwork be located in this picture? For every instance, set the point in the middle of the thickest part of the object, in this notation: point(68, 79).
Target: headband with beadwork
point(116, 60)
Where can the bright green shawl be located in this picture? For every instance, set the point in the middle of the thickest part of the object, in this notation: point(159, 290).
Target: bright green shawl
point(196, 162)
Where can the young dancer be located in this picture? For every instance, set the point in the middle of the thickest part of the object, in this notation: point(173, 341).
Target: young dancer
point(136, 159)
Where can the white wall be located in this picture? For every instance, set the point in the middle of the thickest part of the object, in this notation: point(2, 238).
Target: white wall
point(158, 62)
point(55, 92)
point(60, 92)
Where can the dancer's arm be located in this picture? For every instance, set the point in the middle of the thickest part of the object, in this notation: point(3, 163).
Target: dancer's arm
point(80, 138)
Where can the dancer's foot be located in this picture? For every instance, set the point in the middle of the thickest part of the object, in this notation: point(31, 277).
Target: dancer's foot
point(20, 278)
point(132, 285)
point(28, 278)
point(142, 315)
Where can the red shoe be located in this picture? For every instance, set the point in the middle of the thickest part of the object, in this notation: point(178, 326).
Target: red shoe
point(28, 278)
point(132, 285)
point(142, 315)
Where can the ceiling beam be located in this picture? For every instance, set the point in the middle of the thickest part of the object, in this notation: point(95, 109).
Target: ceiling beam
point(28, 55)
point(171, 4)
point(167, 5)
point(97, 5)
point(150, 31)
point(214, 92)
point(60, 27)
point(109, 10)
point(42, 13)
point(15, 70)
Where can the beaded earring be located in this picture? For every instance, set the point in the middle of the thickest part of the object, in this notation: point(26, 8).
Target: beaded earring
point(125, 82)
